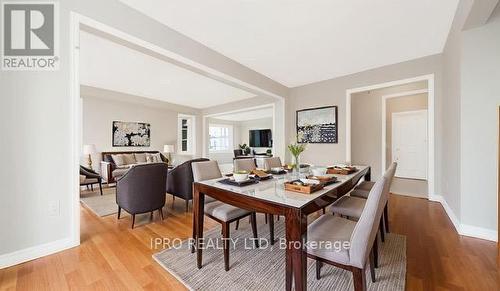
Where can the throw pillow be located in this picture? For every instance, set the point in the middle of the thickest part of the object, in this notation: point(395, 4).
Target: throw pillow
point(149, 158)
point(118, 159)
point(129, 159)
point(140, 158)
point(157, 158)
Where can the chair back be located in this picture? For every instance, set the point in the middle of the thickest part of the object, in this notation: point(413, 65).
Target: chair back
point(244, 165)
point(143, 188)
point(366, 228)
point(274, 162)
point(180, 180)
point(206, 171)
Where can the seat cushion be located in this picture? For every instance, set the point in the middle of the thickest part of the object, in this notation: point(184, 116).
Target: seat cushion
point(119, 172)
point(349, 206)
point(360, 193)
point(223, 211)
point(334, 230)
point(365, 185)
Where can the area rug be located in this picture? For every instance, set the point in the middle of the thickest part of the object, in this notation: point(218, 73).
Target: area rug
point(101, 205)
point(264, 268)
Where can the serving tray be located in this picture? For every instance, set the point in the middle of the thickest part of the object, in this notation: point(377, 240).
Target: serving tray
point(304, 189)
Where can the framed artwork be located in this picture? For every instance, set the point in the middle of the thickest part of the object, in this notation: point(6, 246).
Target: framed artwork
point(317, 125)
point(131, 134)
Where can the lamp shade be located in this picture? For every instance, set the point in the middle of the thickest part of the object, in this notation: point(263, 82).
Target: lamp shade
point(89, 149)
point(168, 148)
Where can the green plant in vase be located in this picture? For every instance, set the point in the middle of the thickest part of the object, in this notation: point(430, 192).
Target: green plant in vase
point(296, 149)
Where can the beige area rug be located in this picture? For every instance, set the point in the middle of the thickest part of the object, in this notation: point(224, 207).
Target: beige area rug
point(264, 269)
point(100, 205)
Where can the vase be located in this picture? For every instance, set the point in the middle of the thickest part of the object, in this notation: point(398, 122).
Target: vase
point(296, 167)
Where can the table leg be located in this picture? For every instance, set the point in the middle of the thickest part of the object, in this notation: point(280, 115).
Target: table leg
point(296, 259)
point(199, 213)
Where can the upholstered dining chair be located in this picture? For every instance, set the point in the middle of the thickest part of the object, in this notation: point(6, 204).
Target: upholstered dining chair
point(180, 181)
point(244, 165)
point(363, 189)
point(221, 212)
point(359, 236)
point(352, 207)
point(142, 189)
point(274, 162)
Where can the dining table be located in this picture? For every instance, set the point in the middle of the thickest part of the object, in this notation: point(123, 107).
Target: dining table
point(270, 197)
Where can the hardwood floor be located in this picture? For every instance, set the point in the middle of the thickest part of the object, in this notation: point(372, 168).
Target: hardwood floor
point(114, 257)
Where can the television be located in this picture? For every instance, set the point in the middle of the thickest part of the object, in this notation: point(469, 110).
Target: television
point(260, 138)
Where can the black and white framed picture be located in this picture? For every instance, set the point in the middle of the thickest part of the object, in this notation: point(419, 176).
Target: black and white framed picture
point(317, 125)
point(131, 134)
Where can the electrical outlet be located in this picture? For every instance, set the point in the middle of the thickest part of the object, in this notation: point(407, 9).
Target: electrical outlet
point(54, 208)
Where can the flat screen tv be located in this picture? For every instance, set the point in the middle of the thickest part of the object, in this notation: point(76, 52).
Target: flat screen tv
point(261, 138)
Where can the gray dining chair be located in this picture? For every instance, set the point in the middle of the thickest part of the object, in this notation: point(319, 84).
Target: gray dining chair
point(244, 165)
point(363, 189)
point(359, 237)
point(221, 212)
point(274, 162)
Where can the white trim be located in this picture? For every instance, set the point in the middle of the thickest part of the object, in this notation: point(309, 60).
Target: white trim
point(430, 107)
point(191, 135)
point(465, 229)
point(35, 252)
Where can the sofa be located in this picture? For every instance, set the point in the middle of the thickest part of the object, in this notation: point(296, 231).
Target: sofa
point(116, 164)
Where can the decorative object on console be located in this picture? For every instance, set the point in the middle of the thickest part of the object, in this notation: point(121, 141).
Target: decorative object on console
point(131, 134)
point(88, 150)
point(169, 149)
point(317, 125)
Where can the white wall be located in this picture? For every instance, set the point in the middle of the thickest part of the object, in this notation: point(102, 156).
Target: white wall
point(246, 126)
point(480, 83)
point(37, 117)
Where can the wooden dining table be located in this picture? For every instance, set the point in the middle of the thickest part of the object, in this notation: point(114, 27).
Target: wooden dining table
point(271, 197)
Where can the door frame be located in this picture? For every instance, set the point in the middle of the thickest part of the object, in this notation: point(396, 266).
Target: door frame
point(402, 113)
point(430, 121)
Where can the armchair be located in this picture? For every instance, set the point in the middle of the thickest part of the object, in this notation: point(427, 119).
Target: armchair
point(91, 178)
point(142, 189)
point(180, 181)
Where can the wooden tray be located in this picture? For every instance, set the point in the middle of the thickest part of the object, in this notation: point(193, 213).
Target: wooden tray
point(342, 171)
point(306, 189)
point(323, 179)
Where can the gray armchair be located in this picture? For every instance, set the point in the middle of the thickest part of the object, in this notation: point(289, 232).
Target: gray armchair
point(180, 181)
point(142, 189)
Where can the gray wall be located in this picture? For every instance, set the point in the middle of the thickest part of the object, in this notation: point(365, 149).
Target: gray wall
point(366, 125)
point(480, 81)
point(333, 92)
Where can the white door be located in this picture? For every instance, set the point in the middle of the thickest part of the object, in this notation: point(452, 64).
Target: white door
point(409, 144)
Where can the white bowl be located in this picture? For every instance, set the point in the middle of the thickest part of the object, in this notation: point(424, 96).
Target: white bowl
point(240, 177)
point(277, 169)
point(319, 171)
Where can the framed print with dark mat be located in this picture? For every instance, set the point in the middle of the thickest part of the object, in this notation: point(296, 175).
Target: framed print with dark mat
point(131, 134)
point(317, 125)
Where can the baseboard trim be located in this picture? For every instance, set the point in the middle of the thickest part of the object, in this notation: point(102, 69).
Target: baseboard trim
point(465, 229)
point(32, 253)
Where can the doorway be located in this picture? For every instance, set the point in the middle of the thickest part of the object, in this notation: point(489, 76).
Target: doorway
point(366, 126)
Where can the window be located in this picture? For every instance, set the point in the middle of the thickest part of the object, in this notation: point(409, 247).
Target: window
point(186, 134)
point(221, 138)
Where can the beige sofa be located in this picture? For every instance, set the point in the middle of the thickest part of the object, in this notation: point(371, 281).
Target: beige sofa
point(115, 164)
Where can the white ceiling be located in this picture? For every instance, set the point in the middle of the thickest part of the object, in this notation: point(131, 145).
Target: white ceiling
point(108, 65)
point(266, 112)
point(296, 42)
